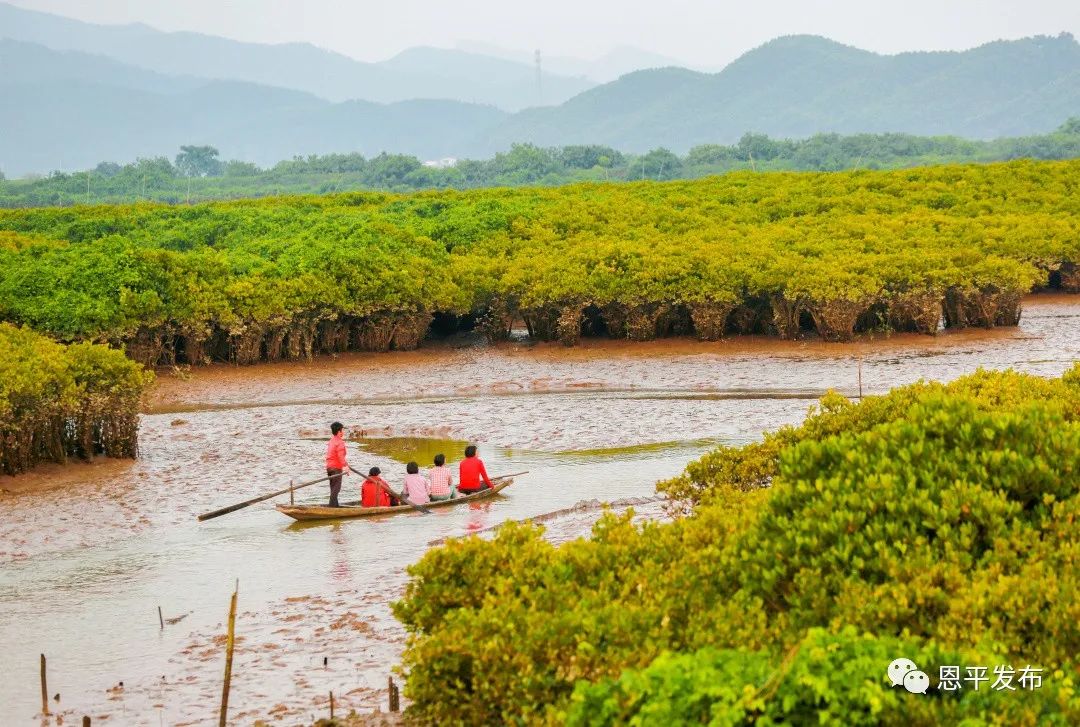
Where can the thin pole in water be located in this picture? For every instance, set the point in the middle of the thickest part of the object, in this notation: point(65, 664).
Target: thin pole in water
point(395, 698)
point(229, 643)
point(331, 705)
point(44, 689)
point(160, 619)
point(860, 378)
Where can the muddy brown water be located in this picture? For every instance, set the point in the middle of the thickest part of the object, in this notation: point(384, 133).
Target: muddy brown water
point(89, 552)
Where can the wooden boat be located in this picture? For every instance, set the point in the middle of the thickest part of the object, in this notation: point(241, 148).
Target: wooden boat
point(324, 512)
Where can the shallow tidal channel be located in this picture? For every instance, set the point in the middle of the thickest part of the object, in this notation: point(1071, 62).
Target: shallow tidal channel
point(89, 552)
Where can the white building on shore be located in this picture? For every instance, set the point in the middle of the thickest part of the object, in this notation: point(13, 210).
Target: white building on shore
point(444, 163)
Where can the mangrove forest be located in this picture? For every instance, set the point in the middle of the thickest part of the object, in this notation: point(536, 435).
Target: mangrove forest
point(783, 254)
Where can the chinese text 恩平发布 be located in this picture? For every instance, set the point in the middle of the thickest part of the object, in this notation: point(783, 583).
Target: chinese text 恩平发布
point(1003, 677)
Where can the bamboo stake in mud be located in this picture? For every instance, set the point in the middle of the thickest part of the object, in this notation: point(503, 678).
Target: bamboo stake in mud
point(291, 490)
point(395, 697)
point(44, 689)
point(230, 641)
point(160, 619)
point(331, 705)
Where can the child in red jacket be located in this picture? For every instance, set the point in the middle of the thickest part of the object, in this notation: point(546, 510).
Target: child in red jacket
point(371, 494)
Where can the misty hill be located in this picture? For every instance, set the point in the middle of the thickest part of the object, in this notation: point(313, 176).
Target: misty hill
point(420, 73)
point(801, 85)
point(29, 63)
point(72, 110)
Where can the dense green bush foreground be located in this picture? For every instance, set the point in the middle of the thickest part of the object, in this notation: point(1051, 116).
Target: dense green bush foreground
point(59, 401)
point(940, 523)
point(780, 253)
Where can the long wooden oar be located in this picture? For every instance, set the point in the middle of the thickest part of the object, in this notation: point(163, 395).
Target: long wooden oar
point(245, 503)
point(512, 474)
point(391, 494)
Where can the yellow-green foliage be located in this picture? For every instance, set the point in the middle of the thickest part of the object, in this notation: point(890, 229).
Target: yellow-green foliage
point(778, 253)
point(754, 465)
point(832, 679)
point(58, 401)
point(942, 516)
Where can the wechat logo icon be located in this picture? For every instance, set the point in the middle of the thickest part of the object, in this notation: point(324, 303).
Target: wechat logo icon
point(904, 672)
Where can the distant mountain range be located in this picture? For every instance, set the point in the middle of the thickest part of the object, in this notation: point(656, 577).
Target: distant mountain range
point(71, 110)
point(800, 85)
point(415, 73)
point(75, 94)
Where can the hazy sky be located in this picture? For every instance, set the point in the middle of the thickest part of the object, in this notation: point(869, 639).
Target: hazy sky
point(699, 32)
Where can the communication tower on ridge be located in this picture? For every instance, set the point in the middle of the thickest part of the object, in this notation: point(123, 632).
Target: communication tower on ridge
point(539, 81)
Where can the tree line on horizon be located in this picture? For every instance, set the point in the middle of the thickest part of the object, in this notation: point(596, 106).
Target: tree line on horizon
point(198, 174)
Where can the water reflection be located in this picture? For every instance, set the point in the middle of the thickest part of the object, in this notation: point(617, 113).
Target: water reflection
point(338, 542)
point(413, 449)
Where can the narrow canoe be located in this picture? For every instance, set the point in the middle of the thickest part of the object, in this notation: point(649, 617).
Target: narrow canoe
point(323, 512)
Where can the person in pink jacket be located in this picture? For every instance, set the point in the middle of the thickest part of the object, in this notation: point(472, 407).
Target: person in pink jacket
point(336, 463)
point(416, 489)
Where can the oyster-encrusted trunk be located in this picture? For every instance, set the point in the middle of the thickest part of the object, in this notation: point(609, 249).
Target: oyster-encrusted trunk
point(917, 311)
point(1070, 277)
point(497, 321)
point(642, 321)
point(410, 330)
point(835, 319)
point(374, 332)
point(245, 345)
point(785, 316)
point(984, 308)
point(710, 319)
point(151, 346)
point(568, 325)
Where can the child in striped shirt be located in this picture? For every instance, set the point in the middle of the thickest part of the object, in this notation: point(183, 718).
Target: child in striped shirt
point(441, 479)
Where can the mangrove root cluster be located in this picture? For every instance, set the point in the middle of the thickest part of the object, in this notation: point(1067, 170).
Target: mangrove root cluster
point(65, 401)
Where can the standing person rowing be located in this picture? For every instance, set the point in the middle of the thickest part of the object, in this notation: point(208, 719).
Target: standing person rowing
point(336, 463)
point(471, 472)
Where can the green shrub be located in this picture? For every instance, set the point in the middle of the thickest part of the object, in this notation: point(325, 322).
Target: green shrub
point(945, 516)
point(826, 679)
point(754, 465)
point(58, 401)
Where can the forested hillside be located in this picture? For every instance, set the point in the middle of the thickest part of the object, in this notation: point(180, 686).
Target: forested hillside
point(803, 85)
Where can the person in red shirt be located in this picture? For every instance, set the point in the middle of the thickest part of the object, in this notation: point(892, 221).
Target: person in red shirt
point(371, 495)
point(471, 472)
point(336, 464)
